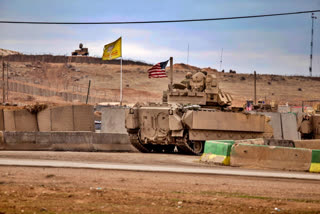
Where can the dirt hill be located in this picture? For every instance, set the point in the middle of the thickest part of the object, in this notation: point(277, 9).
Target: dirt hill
point(105, 82)
point(4, 52)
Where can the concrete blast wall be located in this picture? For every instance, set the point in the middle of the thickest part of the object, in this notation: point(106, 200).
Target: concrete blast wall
point(308, 144)
point(284, 125)
point(270, 157)
point(65, 141)
point(289, 126)
point(20, 121)
point(275, 122)
point(67, 118)
point(113, 120)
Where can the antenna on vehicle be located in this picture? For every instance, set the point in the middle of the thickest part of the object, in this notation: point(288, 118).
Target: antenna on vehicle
point(171, 74)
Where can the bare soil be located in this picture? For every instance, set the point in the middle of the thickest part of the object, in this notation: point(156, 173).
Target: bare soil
point(67, 190)
point(105, 82)
point(56, 190)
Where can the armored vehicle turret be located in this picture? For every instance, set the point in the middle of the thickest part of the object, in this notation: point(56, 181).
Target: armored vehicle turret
point(198, 89)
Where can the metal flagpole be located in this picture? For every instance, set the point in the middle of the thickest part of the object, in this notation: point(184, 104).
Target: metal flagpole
point(121, 73)
point(171, 73)
point(121, 80)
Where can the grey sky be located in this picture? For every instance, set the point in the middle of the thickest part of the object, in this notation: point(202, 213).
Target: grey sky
point(279, 45)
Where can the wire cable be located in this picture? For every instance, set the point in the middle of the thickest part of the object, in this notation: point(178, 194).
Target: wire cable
point(160, 21)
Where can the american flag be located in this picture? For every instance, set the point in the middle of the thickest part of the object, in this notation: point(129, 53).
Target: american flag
point(158, 70)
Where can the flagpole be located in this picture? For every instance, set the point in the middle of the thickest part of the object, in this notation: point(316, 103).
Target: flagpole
point(121, 81)
point(121, 74)
point(171, 73)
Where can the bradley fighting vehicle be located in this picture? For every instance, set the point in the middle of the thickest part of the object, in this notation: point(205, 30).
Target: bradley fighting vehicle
point(192, 112)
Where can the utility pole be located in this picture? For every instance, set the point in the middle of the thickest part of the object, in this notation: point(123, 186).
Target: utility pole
point(221, 58)
point(188, 55)
point(311, 51)
point(7, 81)
point(255, 87)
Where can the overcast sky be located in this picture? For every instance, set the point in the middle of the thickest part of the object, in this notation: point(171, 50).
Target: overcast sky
point(278, 45)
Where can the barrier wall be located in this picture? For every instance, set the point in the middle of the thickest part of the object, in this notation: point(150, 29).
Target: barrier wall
point(217, 152)
point(307, 144)
point(289, 126)
point(284, 125)
point(65, 141)
point(257, 141)
point(67, 118)
point(113, 120)
point(65, 59)
point(315, 161)
point(279, 142)
point(284, 109)
point(268, 142)
point(271, 157)
point(275, 123)
point(20, 120)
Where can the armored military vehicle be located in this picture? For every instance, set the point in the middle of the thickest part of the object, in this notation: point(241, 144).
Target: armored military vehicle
point(80, 52)
point(193, 111)
point(309, 122)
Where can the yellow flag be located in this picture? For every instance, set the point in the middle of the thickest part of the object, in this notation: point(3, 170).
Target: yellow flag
point(112, 50)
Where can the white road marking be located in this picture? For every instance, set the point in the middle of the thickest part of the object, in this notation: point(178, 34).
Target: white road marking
point(159, 168)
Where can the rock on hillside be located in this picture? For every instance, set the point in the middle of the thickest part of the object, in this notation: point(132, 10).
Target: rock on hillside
point(4, 52)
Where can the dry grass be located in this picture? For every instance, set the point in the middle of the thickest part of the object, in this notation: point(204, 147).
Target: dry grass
point(105, 82)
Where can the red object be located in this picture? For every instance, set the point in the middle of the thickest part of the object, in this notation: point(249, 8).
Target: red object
point(158, 70)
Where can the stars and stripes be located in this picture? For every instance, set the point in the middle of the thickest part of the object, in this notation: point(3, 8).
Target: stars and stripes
point(158, 70)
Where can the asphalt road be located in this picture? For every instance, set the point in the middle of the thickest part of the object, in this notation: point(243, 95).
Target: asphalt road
point(90, 161)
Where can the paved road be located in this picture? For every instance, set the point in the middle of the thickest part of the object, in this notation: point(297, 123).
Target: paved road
point(158, 168)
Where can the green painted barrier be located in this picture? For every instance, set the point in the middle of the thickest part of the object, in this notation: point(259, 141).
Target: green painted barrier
point(315, 161)
point(217, 151)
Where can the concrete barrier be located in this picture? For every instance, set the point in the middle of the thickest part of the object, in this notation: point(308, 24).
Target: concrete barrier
point(275, 123)
point(20, 120)
point(217, 152)
point(279, 142)
point(83, 116)
point(284, 109)
point(307, 144)
point(315, 161)
point(289, 126)
point(65, 141)
point(120, 142)
point(284, 125)
point(66, 118)
point(113, 120)
point(270, 157)
point(258, 141)
point(268, 142)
